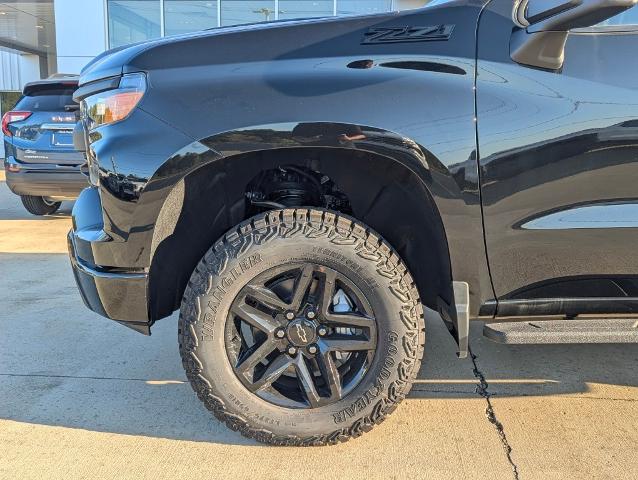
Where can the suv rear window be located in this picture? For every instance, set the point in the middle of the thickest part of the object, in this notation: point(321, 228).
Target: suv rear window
point(47, 99)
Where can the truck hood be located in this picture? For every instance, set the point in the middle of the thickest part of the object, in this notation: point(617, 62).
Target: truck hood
point(317, 37)
point(115, 61)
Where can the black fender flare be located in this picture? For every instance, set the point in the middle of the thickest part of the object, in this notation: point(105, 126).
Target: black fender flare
point(458, 210)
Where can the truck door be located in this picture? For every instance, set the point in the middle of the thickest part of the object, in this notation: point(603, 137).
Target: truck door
point(559, 170)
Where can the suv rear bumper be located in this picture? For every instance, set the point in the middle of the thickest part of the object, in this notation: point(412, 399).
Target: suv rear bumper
point(42, 180)
point(114, 293)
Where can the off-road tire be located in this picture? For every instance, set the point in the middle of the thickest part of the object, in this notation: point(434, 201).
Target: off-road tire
point(339, 242)
point(39, 206)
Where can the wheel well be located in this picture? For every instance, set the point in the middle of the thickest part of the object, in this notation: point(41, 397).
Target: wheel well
point(376, 190)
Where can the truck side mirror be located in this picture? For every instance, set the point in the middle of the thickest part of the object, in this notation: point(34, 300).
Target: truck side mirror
point(543, 27)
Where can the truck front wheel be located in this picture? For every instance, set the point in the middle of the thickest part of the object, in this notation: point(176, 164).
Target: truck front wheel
point(301, 327)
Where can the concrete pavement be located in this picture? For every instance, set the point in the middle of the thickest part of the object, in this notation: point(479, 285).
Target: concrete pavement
point(83, 397)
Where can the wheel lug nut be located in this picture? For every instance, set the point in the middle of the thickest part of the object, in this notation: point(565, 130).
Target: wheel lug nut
point(312, 349)
point(292, 351)
point(279, 333)
point(322, 331)
point(311, 314)
point(290, 315)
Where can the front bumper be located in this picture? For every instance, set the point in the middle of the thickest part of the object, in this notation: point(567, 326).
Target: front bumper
point(43, 180)
point(112, 292)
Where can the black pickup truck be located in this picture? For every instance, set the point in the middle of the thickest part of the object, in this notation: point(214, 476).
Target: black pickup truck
point(300, 190)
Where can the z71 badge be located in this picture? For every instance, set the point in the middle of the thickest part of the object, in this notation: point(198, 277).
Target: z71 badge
point(407, 34)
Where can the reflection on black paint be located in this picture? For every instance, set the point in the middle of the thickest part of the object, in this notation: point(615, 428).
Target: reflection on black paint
point(425, 67)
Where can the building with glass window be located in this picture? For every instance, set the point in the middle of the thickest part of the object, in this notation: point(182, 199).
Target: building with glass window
point(136, 20)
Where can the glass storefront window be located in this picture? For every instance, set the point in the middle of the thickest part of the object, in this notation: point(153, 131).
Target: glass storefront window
point(629, 17)
point(236, 12)
point(183, 16)
point(289, 9)
point(133, 21)
point(8, 100)
point(351, 7)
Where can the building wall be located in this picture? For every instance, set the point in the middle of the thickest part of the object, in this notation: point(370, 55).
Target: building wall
point(16, 69)
point(80, 32)
point(9, 71)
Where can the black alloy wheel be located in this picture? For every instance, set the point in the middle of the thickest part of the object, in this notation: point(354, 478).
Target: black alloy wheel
point(289, 346)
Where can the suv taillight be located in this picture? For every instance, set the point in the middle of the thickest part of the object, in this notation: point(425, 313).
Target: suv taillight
point(11, 117)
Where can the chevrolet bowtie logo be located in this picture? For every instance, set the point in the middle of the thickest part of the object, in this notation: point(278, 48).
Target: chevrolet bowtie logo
point(301, 332)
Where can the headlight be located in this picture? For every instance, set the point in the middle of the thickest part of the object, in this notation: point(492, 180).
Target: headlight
point(114, 105)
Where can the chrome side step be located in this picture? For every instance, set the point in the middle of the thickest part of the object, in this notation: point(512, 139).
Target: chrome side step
point(564, 331)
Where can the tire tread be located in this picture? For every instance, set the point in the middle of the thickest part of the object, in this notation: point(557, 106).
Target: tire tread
point(342, 230)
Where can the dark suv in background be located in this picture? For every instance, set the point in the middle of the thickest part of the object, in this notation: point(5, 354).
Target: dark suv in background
point(41, 164)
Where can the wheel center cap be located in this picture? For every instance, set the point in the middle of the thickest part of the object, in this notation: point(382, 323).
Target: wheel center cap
point(301, 332)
